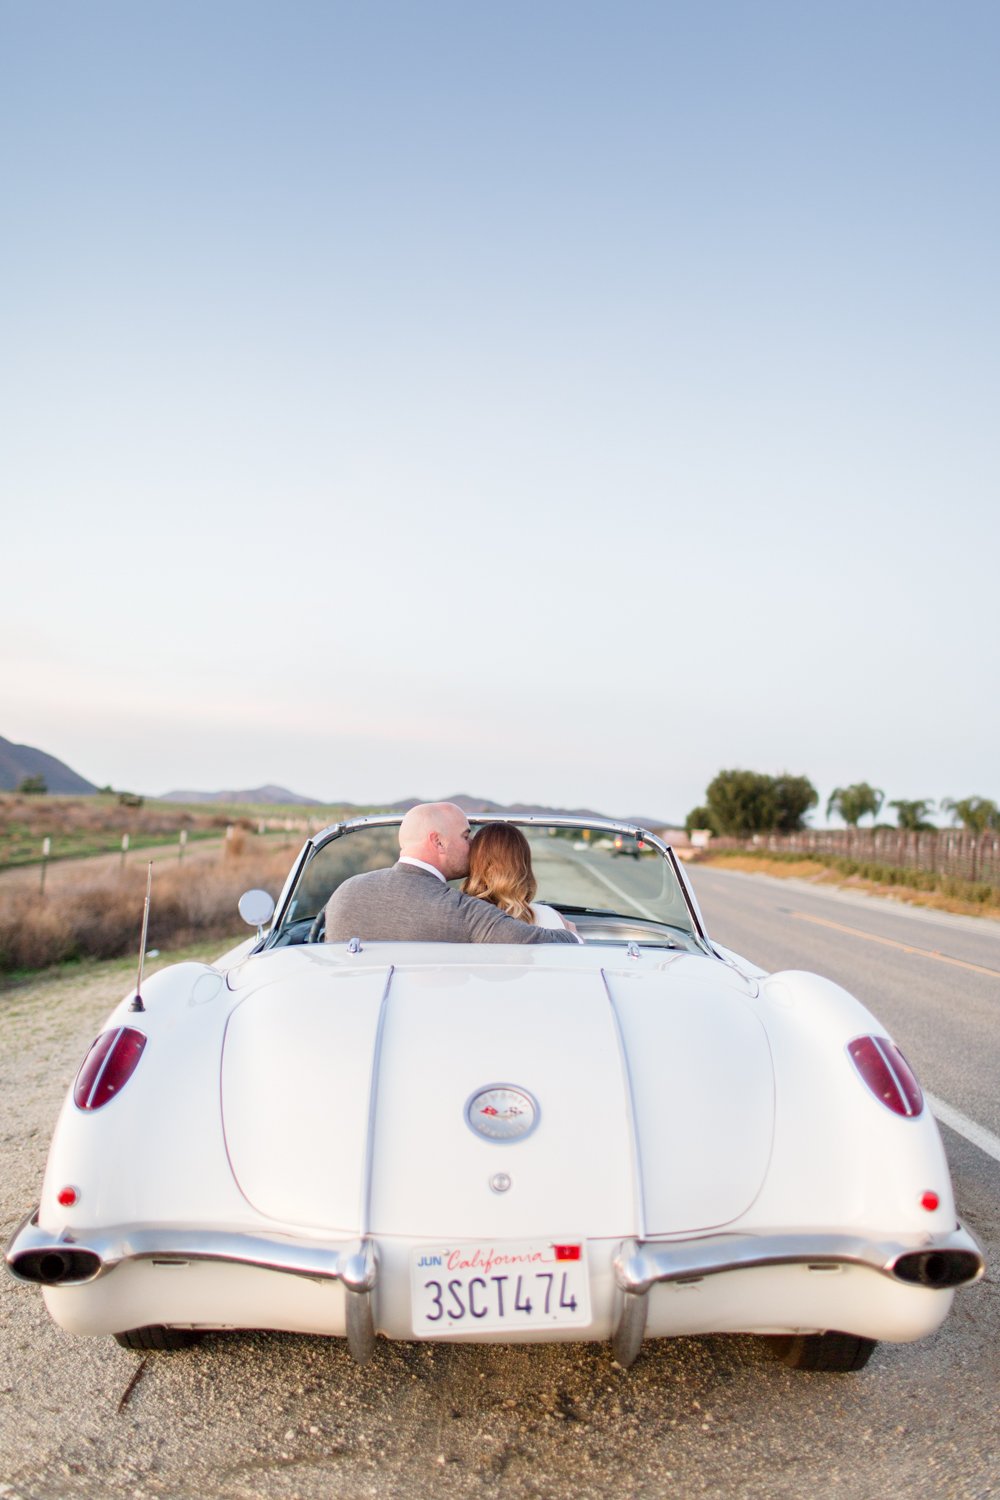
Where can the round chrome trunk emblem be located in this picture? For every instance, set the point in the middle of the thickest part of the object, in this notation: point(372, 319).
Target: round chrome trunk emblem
point(502, 1113)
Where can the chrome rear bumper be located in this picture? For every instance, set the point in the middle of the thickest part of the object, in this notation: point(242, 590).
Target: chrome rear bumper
point(936, 1262)
point(37, 1256)
point(933, 1261)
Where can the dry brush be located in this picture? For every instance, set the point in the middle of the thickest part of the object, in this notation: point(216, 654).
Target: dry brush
point(100, 916)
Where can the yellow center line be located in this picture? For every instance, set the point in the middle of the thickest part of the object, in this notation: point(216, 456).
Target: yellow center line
point(942, 958)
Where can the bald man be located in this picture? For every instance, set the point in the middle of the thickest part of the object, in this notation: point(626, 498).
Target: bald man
point(412, 901)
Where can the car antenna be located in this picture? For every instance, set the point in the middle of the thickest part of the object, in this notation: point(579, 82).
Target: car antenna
point(137, 997)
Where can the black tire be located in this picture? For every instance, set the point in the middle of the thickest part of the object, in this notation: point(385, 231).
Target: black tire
point(155, 1337)
point(835, 1353)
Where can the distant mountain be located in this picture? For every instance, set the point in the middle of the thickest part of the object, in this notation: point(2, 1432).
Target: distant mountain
point(470, 804)
point(255, 794)
point(18, 761)
point(485, 805)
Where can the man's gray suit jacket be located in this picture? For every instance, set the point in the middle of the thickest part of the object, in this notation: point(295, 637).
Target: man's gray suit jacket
point(407, 904)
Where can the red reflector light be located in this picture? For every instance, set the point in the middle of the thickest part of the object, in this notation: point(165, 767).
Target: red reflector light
point(930, 1201)
point(67, 1196)
point(887, 1073)
point(107, 1067)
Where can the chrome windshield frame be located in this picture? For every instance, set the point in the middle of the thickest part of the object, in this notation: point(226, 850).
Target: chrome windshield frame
point(335, 831)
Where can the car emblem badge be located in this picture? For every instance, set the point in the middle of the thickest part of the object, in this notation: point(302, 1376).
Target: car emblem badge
point(502, 1113)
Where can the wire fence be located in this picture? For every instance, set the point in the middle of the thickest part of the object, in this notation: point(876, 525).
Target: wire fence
point(944, 851)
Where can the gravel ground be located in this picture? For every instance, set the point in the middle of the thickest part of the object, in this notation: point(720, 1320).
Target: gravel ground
point(243, 1416)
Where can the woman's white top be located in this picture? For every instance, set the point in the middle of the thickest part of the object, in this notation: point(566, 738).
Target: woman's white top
point(546, 916)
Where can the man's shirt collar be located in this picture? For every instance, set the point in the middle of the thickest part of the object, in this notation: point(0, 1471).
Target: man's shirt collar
point(407, 859)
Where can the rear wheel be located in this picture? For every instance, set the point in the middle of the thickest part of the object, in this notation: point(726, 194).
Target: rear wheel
point(156, 1337)
point(834, 1352)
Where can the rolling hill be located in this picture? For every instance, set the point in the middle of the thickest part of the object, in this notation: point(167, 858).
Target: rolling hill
point(18, 761)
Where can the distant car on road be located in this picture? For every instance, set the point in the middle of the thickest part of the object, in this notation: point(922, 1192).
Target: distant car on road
point(627, 844)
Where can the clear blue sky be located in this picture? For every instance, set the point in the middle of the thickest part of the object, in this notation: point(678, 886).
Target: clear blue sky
point(547, 400)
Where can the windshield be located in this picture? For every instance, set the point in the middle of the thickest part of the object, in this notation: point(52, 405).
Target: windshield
point(610, 884)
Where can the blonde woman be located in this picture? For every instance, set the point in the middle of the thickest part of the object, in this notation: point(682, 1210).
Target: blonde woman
point(500, 872)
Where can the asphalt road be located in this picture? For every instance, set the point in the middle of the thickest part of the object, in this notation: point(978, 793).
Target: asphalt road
point(254, 1415)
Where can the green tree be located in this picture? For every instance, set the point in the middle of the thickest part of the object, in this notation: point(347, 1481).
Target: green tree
point(912, 816)
point(34, 786)
point(855, 802)
point(741, 803)
point(793, 797)
point(977, 814)
point(698, 817)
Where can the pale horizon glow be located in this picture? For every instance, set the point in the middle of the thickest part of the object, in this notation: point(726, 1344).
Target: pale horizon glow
point(554, 404)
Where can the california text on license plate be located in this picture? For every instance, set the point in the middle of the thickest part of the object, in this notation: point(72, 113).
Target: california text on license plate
point(501, 1288)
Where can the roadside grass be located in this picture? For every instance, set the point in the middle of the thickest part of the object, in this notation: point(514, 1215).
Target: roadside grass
point(118, 972)
point(82, 826)
point(916, 887)
point(100, 915)
point(298, 813)
point(20, 847)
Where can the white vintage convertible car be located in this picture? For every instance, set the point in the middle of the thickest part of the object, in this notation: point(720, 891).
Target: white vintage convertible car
point(634, 1138)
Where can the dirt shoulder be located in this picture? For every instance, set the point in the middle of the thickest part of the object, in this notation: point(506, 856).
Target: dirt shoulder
point(818, 873)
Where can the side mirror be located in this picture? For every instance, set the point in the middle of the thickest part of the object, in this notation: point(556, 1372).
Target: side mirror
point(256, 908)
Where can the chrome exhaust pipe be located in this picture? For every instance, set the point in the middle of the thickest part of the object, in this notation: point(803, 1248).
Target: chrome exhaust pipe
point(55, 1265)
point(939, 1268)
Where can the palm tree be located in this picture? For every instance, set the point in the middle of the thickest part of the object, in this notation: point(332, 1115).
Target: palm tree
point(977, 814)
point(855, 802)
point(912, 816)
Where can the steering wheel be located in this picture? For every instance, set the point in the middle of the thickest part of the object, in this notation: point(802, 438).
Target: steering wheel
point(317, 931)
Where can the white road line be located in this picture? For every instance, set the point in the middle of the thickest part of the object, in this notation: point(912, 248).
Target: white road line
point(977, 1134)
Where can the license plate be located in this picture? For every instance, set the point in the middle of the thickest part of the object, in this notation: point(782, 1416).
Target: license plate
point(490, 1288)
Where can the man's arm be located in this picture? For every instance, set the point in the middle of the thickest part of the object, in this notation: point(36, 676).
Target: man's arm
point(488, 924)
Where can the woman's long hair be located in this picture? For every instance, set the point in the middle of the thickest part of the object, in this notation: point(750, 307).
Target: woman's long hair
point(500, 870)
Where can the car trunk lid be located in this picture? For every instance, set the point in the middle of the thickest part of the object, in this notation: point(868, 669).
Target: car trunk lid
point(702, 1084)
point(678, 1064)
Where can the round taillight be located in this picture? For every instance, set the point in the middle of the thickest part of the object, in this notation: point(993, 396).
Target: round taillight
point(67, 1196)
point(887, 1073)
point(108, 1066)
point(930, 1201)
